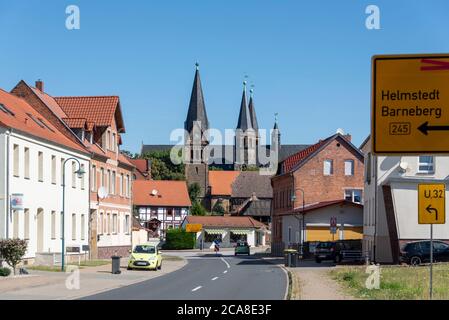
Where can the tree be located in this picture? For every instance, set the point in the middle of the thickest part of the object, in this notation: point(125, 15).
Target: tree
point(197, 209)
point(194, 191)
point(218, 209)
point(162, 168)
point(12, 251)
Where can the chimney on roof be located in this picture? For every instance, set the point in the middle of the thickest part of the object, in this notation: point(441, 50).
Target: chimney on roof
point(348, 137)
point(40, 85)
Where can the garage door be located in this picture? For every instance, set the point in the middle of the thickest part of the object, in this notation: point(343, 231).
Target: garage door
point(353, 233)
point(320, 234)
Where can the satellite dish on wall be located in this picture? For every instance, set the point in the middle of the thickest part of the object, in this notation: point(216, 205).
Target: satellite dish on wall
point(154, 192)
point(102, 193)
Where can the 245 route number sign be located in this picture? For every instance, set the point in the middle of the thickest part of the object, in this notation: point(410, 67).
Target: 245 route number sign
point(410, 104)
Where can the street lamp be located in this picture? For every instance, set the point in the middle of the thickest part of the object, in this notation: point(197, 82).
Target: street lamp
point(302, 212)
point(80, 172)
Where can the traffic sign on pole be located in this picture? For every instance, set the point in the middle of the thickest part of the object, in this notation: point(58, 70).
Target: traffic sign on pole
point(410, 104)
point(432, 203)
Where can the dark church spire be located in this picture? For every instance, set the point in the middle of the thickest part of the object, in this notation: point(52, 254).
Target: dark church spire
point(197, 108)
point(252, 112)
point(244, 122)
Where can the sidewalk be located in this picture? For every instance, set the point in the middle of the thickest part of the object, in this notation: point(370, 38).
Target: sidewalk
point(310, 281)
point(52, 285)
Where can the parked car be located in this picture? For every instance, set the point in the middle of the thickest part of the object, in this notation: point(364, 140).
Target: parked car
point(146, 256)
point(338, 250)
point(417, 252)
point(242, 247)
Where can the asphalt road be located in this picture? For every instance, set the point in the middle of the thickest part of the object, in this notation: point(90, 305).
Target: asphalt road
point(209, 278)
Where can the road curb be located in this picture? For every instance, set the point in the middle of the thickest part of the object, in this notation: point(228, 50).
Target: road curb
point(287, 275)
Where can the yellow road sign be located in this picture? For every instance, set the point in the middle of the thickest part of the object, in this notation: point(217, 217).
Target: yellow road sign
point(194, 227)
point(432, 203)
point(410, 104)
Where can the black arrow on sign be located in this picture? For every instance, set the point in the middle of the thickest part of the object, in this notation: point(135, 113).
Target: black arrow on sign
point(425, 128)
point(431, 210)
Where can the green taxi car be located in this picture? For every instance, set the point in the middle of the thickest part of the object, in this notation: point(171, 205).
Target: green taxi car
point(145, 256)
point(242, 247)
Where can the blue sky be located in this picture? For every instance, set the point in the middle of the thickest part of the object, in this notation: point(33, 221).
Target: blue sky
point(309, 60)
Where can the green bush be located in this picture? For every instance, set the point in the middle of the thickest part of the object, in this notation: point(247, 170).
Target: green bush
point(197, 209)
point(179, 239)
point(12, 251)
point(4, 272)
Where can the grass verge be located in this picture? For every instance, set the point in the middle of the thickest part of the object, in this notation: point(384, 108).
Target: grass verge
point(396, 282)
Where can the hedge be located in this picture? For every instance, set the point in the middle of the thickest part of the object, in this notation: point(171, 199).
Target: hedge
point(178, 239)
point(4, 272)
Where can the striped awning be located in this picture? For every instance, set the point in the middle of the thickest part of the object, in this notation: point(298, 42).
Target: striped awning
point(214, 231)
point(240, 231)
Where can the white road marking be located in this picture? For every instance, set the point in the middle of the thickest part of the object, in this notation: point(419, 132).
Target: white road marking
point(226, 271)
point(197, 288)
point(213, 279)
point(227, 264)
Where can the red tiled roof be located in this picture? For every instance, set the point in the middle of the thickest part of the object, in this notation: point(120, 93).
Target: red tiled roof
point(221, 182)
point(100, 110)
point(124, 159)
point(75, 123)
point(323, 204)
point(289, 163)
point(169, 193)
point(22, 120)
point(225, 221)
point(140, 164)
point(50, 102)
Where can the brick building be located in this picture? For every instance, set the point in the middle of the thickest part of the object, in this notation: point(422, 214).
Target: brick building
point(322, 173)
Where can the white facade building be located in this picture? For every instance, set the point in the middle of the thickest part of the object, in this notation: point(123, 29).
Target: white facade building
point(31, 155)
point(391, 201)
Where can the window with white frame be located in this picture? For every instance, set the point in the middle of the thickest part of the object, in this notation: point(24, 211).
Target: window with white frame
point(93, 178)
point(26, 155)
point(127, 223)
point(62, 171)
point(426, 164)
point(349, 167)
point(53, 225)
point(113, 181)
point(114, 223)
point(53, 169)
point(83, 226)
point(40, 166)
point(82, 177)
point(73, 226)
point(73, 174)
point(26, 232)
point(16, 160)
point(328, 167)
point(353, 195)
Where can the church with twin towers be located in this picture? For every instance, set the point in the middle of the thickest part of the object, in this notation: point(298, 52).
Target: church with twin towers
point(245, 154)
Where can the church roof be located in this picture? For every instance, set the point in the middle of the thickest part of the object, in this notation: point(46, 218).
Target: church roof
point(252, 112)
point(244, 122)
point(197, 108)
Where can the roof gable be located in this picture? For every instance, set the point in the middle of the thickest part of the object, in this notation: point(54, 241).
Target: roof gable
point(100, 110)
point(295, 161)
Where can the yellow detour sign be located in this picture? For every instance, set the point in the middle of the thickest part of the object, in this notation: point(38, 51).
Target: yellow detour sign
point(191, 227)
point(432, 203)
point(410, 104)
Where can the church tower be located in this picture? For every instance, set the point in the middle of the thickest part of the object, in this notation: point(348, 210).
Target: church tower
point(245, 137)
point(275, 136)
point(195, 141)
point(254, 124)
